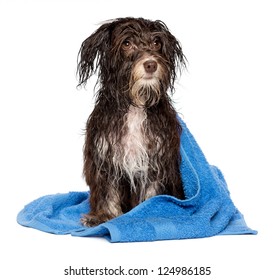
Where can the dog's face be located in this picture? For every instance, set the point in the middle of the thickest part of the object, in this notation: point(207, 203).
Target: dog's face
point(137, 58)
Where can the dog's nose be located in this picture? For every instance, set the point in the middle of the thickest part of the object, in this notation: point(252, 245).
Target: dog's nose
point(150, 66)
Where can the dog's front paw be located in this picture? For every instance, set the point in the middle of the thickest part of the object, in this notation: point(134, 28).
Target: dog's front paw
point(92, 220)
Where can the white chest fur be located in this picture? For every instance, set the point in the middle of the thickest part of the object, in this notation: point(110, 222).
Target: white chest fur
point(133, 158)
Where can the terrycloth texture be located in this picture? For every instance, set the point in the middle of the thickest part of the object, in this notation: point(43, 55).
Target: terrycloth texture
point(207, 211)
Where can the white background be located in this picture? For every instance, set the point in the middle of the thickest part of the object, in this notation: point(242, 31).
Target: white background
point(225, 98)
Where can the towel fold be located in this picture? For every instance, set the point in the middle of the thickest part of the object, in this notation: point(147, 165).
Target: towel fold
point(207, 210)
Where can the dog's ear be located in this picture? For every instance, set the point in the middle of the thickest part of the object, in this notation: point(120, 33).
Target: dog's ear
point(179, 59)
point(92, 54)
point(172, 48)
point(172, 51)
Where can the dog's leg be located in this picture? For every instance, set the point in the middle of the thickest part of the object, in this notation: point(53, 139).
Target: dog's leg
point(153, 190)
point(105, 204)
point(103, 210)
point(169, 188)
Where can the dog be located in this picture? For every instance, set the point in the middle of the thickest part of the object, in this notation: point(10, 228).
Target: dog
point(132, 137)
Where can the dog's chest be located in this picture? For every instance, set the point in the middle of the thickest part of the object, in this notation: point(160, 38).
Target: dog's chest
point(134, 139)
point(130, 155)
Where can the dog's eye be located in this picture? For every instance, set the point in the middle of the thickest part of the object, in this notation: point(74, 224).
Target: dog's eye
point(156, 44)
point(126, 45)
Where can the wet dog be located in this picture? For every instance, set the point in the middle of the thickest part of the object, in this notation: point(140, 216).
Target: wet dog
point(132, 144)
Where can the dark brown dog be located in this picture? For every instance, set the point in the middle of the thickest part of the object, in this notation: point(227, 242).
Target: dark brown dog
point(131, 150)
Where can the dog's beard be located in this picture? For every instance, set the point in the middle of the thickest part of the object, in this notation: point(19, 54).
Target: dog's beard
point(145, 92)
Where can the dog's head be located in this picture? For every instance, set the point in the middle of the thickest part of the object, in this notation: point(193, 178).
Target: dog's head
point(135, 58)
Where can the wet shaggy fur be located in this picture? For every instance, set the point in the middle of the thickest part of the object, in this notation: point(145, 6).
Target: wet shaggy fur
point(131, 150)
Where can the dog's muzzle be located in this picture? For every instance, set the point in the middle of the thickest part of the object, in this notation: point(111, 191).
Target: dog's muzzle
point(145, 82)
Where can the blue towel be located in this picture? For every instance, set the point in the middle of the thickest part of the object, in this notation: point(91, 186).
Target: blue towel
point(207, 210)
